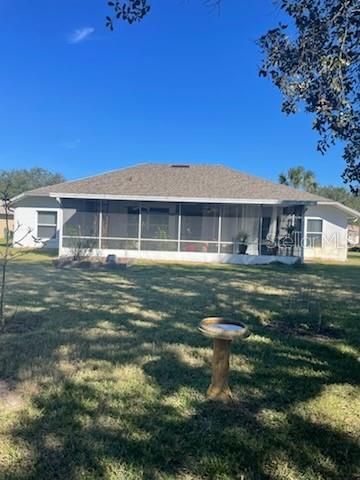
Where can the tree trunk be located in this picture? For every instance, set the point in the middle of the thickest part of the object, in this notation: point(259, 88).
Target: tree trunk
point(2, 296)
point(4, 266)
point(219, 388)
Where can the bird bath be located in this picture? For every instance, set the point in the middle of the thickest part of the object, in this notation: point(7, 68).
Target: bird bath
point(223, 332)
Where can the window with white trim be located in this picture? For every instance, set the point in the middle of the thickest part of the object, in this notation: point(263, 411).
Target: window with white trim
point(314, 232)
point(46, 225)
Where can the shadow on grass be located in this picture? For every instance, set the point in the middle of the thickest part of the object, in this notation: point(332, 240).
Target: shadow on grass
point(122, 371)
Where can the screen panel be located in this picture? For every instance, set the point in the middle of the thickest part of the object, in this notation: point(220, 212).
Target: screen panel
point(199, 222)
point(120, 219)
point(81, 217)
point(159, 221)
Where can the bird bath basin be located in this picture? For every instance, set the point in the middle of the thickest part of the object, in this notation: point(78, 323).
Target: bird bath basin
point(223, 332)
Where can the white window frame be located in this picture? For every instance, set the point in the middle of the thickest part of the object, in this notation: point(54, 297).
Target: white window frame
point(307, 233)
point(50, 210)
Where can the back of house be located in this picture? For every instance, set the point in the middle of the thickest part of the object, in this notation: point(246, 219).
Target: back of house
point(203, 213)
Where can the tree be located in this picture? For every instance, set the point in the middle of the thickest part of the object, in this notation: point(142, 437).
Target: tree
point(339, 194)
point(315, 64)
point(5, 258)
point(298, 177)
point(318, 66)
point(7, 253)
point(14, 182)
point(130, 11)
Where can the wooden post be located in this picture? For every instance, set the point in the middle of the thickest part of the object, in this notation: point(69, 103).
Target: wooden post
point(219, 388)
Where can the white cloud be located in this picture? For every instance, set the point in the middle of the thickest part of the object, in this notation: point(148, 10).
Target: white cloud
point(80, 34)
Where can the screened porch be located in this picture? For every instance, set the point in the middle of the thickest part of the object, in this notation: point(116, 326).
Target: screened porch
point(182, 227)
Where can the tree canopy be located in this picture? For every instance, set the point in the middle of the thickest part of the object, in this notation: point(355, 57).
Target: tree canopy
point(14, 182)
point(314, 62)
point(298, 177)
point(339, 194)
point(130, 11)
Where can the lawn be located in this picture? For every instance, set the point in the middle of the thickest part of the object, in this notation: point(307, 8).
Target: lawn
point(103, 374)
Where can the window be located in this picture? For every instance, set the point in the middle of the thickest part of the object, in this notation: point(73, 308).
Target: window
point(314, 232)
point(47, 225)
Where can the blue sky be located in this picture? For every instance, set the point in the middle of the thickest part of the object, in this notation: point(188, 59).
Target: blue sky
point(182, 86)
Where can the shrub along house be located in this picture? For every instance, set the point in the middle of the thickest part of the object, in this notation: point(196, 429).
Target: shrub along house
point(207, 213)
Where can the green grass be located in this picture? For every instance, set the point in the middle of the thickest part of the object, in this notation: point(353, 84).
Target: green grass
point(103, 374)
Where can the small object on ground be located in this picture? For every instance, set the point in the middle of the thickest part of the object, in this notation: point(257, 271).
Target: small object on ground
point(113, 262)
point(111, 259)
point(223, 332)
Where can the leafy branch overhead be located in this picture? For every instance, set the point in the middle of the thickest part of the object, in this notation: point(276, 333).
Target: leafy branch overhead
point(130, 11)
point(315, 63)
point(317, 66)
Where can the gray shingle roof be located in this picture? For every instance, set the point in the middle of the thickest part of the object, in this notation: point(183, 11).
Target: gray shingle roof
point(165, 180)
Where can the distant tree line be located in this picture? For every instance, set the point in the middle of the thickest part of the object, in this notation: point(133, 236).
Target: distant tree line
point(300, 178)
point(14, 182)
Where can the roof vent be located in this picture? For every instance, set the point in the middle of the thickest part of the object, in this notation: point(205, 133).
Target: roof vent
point(180, 165)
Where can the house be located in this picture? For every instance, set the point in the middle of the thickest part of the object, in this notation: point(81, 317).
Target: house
point(3, 221)
point(205, 213)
